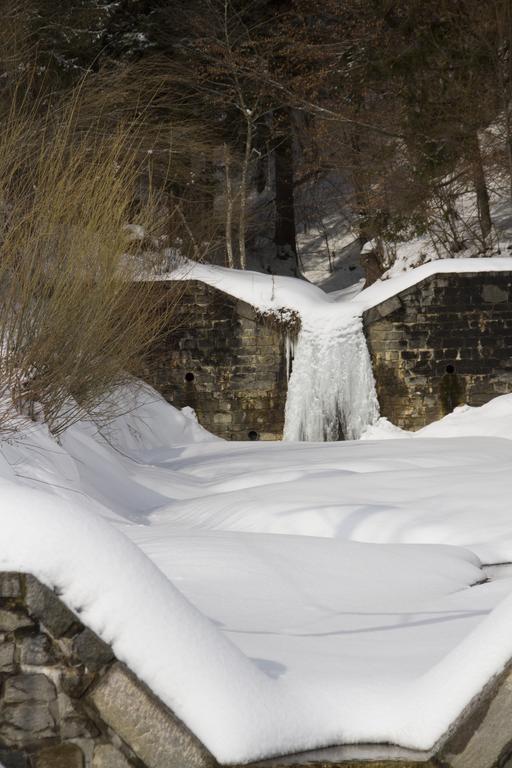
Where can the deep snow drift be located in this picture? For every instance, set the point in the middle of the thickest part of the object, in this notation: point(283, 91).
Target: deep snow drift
point(278, 597)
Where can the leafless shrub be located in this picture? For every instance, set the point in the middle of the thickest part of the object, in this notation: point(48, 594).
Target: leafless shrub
point(75, 320)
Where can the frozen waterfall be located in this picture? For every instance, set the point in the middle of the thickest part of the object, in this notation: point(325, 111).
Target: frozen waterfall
point(331, 391)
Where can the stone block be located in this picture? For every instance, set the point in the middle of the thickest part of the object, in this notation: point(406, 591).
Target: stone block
point(485, 732)
point(91, 650)
point(13, 759)
point(156, 736)
point(10, 585)
point(7, 656)
point(222, 418)
point(44, 605)
point(493, 294)
point(10, 621)
point(387, 307)
point(36, 651)
point(107, 756)
point(60, 756)
point(29, 687)
point(26, 723)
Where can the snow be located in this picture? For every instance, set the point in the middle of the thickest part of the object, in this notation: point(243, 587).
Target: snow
point(430, 246)
point(493, 419)
point(278, 597)
point(274, 293)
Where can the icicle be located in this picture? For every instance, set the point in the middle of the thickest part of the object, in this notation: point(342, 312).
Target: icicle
point(331, 391)
point(289, 345)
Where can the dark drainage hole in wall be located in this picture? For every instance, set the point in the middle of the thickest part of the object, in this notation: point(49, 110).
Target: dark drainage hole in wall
point(189, 376)
point(253, 435)
point(450, 369)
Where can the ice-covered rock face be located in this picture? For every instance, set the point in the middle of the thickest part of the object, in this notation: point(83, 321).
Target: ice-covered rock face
point(331, 391)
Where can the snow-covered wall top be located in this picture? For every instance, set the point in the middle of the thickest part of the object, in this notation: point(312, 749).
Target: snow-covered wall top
point(276, 293)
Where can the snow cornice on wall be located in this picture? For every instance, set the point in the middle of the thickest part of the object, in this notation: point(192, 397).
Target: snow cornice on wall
point(274, 293)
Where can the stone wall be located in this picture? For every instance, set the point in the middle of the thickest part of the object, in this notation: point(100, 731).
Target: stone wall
point(225, 361)
point(443, 342)
point(66, 702)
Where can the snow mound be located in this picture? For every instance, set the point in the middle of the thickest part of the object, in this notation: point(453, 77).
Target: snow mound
point(152, 423)
point(128, 601)
point(278, 597)
point(493, 419)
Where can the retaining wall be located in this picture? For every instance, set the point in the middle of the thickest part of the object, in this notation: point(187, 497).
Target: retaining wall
point(225, 361)
point(443, 342)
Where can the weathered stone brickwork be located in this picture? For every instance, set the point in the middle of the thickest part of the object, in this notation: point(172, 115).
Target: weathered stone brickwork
point(66, 702)
point(443, 342)
point(226, 362)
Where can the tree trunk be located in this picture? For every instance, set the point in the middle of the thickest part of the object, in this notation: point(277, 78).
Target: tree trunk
point(229, 207)
point(508, 139)
point(242, 222)
point(285, 228)
point(482, 194)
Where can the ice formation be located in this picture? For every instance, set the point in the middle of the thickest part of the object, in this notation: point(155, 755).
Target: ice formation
point(331, 391)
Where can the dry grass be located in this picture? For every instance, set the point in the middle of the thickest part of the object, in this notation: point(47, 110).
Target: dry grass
point(73, 319)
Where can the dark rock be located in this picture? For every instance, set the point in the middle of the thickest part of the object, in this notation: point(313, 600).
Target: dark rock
point(27, 722)
point(44, 605)
point(7, 656)
point(92, 651)
point(13, 759)
point(28, 687)
point(61, 756)
point(77, 728)
point(10, 585)
point(36, 651)
point(74, 683)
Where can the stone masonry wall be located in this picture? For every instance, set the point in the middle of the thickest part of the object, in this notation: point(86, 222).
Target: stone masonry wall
point(443, 342)
point(224, 361)
point(66, 702)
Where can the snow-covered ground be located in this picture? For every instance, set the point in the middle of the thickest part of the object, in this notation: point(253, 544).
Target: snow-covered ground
point(279, 597)
point(330, 249)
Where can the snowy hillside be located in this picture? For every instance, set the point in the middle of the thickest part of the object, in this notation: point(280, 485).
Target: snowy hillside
point(278, 597)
